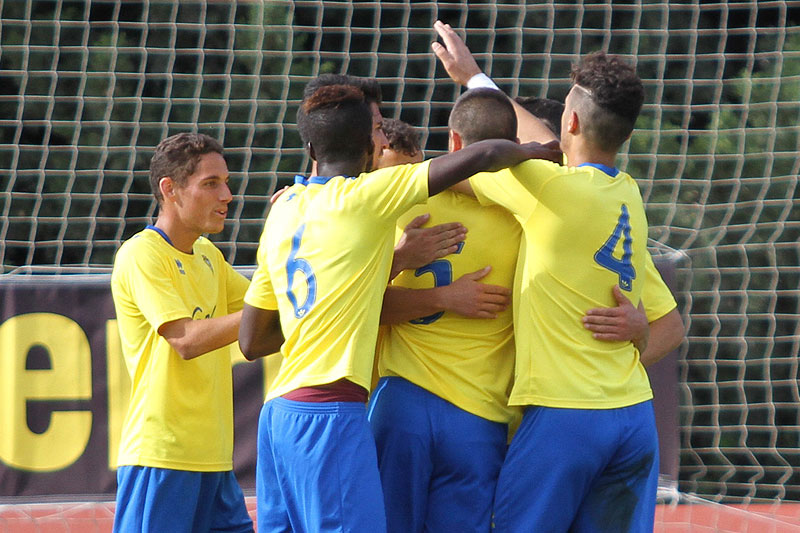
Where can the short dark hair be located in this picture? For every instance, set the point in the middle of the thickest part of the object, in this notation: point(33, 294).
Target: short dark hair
point(337, 122)
point(402, 137)
point(369, 86)
point(177, 157)
point(481, 114)
point(547, 110)
point(617, 93)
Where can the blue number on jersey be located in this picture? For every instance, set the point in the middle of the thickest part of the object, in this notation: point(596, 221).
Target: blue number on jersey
point(605, 255)
point(295, 264)
point(442, 271)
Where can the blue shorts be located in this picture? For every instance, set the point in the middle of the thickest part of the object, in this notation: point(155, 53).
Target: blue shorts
point(438, 463)
point(174, 501)
point(317, 469)
point(580, 470)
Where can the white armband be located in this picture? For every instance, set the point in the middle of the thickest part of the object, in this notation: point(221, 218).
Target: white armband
point(482, 80)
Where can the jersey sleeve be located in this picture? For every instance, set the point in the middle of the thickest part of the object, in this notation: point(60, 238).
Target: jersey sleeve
point(392, 191)
point(656, 296)
point(261, 293)
point(514, 188)
point(236, 285)
point(148, 285)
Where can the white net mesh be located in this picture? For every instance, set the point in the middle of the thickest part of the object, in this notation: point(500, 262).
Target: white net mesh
point(89, 88)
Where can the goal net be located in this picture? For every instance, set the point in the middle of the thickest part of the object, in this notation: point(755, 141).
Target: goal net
point(90, 87)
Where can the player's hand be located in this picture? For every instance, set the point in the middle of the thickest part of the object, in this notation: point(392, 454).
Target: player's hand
point(550, 151)
point(468, 297)
point(277, 194)
point(621, 323)
point(456, 58)
point(419, 246)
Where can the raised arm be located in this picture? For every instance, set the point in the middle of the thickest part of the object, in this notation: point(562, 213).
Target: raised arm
point(459, 63)
point(490, 155)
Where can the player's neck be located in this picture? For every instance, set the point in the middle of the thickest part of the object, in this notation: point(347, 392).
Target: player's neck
point(579, 153)
point(180, 237)
point(340, 168)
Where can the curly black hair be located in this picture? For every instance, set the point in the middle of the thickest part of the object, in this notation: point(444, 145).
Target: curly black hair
point(615, 88)
point(369, 86)
point(402, 136)
point(337, 122)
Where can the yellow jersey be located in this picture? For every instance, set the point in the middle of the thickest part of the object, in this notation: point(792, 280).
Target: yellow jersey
point(181, 412)
point(656, 296)
point(584, 231)
point(323, 262)
point(466, 361)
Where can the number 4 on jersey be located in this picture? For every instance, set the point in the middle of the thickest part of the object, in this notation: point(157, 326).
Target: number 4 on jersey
point(605, 255)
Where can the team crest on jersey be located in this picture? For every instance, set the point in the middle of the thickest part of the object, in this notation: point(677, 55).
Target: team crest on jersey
point(180, 266)
point(208, 262)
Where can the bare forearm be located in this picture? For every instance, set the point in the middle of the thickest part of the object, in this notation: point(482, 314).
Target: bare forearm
point(484, 156)
point(193, 338)
point(666, 334)
point(401, 304)
point(419, 246)
point(530, 128)
point(397, 267)
point(260, 332)
point(467, 296)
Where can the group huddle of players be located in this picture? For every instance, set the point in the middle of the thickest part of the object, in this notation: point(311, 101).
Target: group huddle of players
point(463, 339)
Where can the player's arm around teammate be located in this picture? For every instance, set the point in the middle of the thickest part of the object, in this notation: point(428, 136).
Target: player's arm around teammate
point(563, 399)
point(419, 246)
point(444, 376)
point(654, 330)
point(664, 332)
point(315, 468)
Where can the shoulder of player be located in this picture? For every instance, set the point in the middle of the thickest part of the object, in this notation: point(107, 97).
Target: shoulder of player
point(148, 251)
point(354, 190)
point(392, 175)
point(205, 244)
point(539, 166)
point(454, 203)
point(206, 249)
point(140, 242)
point(547, 171)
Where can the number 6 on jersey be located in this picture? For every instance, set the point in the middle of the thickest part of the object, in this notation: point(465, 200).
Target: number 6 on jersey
point(296, 264)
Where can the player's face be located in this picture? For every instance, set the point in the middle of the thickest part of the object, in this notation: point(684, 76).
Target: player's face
point(202, 204)
point(379, 140)
point(390, 157)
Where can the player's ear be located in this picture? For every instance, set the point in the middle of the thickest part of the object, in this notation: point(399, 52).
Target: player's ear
point(454, 141)
point(572, 122)
point(310, 149)
point(167, 187)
